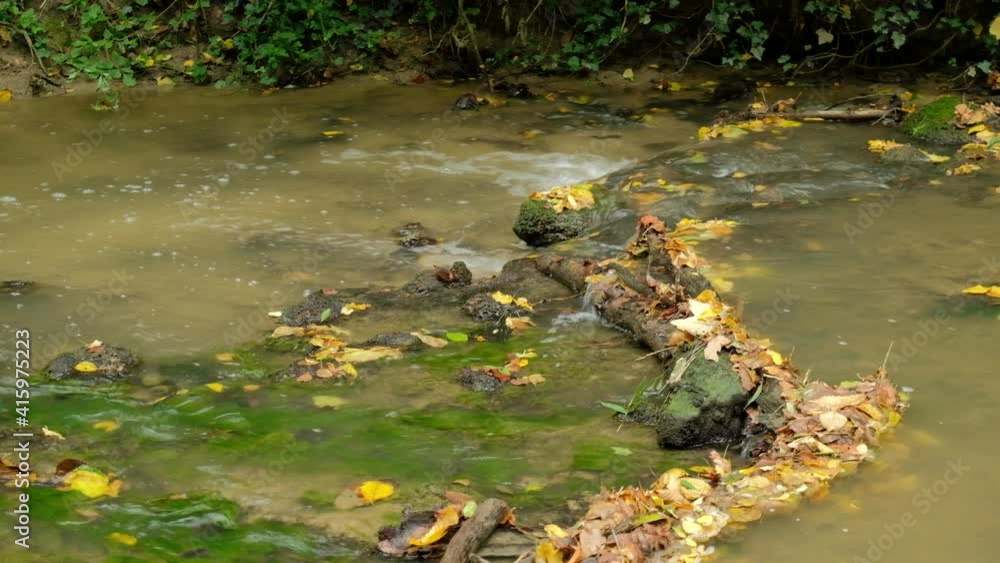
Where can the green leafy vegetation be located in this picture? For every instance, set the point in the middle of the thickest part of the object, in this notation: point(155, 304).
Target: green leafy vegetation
point(306, 41)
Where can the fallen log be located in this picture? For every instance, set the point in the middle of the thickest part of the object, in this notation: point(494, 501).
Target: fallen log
point(475, 531)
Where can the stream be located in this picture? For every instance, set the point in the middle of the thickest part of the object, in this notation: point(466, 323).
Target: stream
point(175, 224)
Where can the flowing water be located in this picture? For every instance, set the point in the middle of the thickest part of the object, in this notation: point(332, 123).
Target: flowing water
point(173, 225)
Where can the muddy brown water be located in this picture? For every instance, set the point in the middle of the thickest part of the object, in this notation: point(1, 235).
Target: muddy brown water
point(194, 212)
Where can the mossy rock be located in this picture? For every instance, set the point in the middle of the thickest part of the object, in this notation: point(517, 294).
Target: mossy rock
point(537, 224)
point(933, 123)
point(707, 406)
point(105, 363)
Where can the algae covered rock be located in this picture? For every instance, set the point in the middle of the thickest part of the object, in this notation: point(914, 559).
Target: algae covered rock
point(96, 362)
point(543, 221)
point(707, 406)
point(933, 123)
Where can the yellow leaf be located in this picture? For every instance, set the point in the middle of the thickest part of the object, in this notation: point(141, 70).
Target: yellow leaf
point(628, 74)
point(91, 483)
point(217, 387)
point(123, 538)
point(775, 357)
point(546, 552)
point(964, 169)
point(6, 95)
point(935, 158)
point(251, 387)
point(107, 425)
point(52, 433)
point(85, 367)
point(976, 290)
point(374, 491)
point(351, 307)
point(447, 518)
point(225, 357)
point(502, 298)
point(555, 531)
point(330, 402)
point(332, 133)
point(995, 27)
point(880, 146)
point(188, 63)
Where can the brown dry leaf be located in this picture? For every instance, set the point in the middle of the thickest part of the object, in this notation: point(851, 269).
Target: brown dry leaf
point(832, 420)
point(714, 346)
point(519, 323)
point(432, 341)
point(533, 379)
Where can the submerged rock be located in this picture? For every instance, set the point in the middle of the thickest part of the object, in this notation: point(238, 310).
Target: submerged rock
point(15, 287)
point(313, 310)
point(112, 363)
point(405, 340)
point(479, 380)
point(933, 123)
point(412, 235)
point(537, 224)
point(426, 282)
point(467, 101)
point(905, 154)
point(484, 308)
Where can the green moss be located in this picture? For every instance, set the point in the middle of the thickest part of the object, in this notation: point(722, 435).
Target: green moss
point(538, 225)
point(932, 122)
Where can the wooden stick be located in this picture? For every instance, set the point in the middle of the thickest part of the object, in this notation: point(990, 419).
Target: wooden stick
point(475, 531)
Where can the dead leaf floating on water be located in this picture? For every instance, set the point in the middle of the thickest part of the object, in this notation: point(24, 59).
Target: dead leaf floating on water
point(989, 291)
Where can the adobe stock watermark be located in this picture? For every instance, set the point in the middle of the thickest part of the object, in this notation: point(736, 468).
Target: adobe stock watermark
point(782, 303)
point(929, 328)
point(250, 150)
point(922, 503)
point(868, 213)
point(92, 138)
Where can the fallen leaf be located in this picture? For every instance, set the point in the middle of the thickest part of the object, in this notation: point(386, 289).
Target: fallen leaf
point(225, 357)
point(90, 482)
point(362, 355)
point(328, 401)
point(107, 425)
point(880, 146)
point(533, 379)
point(251, 387)
point(85, 367)
point(628, 74)
point(374, 491)
point(519, 323)
point(217, 387)
point(963, 170)
point(458, 337)
point(832, 420)
point(447, 518)
point(351, 307)
point(52, 433)
point(123, 538)
point(432, 341)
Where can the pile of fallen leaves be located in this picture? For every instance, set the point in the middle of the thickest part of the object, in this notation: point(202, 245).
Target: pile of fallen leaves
point(573, 198)
point(827, 430)
point(830, 430)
